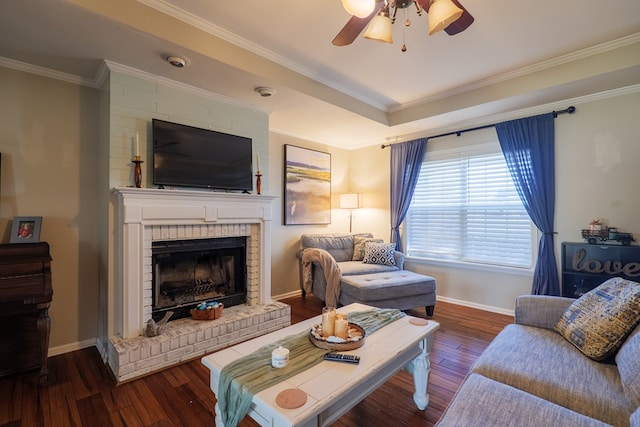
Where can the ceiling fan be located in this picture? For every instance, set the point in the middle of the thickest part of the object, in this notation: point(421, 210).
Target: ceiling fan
point(382, 8)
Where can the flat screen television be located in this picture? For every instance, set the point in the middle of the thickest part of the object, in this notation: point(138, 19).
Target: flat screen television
point(186, 156)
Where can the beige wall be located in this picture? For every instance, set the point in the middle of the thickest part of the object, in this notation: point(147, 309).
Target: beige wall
point(49, 162)
point(597, 155)
point(284, 268)
point(596, 158)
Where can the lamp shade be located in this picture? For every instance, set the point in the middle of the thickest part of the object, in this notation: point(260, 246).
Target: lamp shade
point(441, 14)
point(359, 8)
point(349, 201)
point(380, 27)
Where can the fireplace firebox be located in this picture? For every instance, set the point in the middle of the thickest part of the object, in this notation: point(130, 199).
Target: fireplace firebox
point(187, 272)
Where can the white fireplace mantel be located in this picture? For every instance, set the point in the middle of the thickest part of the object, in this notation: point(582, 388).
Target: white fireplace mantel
point(137, 210)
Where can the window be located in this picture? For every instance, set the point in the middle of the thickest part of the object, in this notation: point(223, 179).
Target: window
point(465, 208)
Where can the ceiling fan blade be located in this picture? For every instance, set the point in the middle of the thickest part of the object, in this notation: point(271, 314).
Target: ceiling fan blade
point(354, 27)
point(460, 24)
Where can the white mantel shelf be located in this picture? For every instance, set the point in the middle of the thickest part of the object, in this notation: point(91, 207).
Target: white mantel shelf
point(163, 206)
point(138, 210)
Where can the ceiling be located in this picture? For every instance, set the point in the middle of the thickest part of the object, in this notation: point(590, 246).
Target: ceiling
point(516, 55)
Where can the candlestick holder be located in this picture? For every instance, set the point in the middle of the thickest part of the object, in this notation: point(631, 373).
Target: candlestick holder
point(137, 171)
point(258, 182)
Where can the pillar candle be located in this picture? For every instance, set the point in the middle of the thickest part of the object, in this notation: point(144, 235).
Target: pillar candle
point(328, 320)
point(280, 357)
point(258, 156)
point(137, 145)
point(341, 328)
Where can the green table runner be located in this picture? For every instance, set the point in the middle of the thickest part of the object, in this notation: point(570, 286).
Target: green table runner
point(241, 379)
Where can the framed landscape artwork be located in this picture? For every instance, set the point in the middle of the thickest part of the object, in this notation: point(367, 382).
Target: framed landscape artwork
point(307, 186)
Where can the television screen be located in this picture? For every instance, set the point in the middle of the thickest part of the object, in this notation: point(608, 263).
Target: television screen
point(186, 156)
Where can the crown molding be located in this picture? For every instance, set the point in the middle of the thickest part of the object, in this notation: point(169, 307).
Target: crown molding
point(524, 71)
point(519, 113)
point(206, 26)
point(46, 72)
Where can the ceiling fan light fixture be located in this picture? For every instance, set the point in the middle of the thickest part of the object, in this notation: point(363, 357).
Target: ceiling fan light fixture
point(359, 8)
point(441, 14)
point(380, 28)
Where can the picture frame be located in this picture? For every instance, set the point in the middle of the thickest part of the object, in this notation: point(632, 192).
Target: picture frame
point(26, 229)
point(307, 186)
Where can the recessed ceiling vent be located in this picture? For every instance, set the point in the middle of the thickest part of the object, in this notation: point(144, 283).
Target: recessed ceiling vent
point(265, 92)
point(177, 61)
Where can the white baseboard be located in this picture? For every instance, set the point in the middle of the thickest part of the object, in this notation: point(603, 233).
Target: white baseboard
point(67, 348)
point(476, 306)
point(287, 295)
point(488, 308)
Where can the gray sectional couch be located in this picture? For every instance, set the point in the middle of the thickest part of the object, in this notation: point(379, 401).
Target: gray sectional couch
point(384, 286)
point(531, 376)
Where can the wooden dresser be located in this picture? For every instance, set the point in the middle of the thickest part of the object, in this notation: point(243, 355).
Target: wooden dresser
point(25, 297)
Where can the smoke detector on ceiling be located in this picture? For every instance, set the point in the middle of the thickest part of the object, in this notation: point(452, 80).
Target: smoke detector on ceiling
point(177, 61)
point(265, 92)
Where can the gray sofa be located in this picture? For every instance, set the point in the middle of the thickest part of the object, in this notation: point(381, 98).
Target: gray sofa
point(531, 376)
point(384, 286)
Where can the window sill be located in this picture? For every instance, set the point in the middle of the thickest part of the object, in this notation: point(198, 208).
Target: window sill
point(472, 266)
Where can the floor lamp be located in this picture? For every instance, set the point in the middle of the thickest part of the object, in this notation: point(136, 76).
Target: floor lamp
point(350, 201)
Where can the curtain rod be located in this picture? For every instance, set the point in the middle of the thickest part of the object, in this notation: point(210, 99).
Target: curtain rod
point(569, 110)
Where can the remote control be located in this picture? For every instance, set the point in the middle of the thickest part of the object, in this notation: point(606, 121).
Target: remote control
point(345, 358)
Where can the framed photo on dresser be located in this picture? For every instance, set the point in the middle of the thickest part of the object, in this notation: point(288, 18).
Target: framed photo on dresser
point(26, 229)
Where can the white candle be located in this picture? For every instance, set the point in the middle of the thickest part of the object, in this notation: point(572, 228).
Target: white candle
point(137, 145)
point(328, 319)
point(341, 329)
point(258, 156)
point(280, 357)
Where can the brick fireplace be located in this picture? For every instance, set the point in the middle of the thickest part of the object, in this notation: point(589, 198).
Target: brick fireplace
point(145, 216)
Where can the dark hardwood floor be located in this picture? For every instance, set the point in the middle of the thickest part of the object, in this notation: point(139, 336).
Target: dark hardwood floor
point(82, 392)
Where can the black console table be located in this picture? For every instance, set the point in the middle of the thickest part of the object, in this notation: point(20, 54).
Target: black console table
point(585, 266)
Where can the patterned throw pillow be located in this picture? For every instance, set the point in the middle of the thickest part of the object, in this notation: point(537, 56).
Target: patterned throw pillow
point(598, 322)
point(379, 253)
point(358, 247)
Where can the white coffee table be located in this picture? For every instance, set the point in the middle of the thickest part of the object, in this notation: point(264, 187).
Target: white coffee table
point(333, 388)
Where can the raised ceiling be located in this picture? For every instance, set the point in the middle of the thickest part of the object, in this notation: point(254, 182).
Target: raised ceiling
point(515, 56)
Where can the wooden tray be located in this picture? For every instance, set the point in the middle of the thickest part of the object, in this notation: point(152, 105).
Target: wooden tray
point(343, 346)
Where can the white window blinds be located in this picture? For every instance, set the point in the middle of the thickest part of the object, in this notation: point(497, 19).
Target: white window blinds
point(467, 209)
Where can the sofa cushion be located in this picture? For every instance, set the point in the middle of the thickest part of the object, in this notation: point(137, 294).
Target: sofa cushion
point(541, 362)
point(628, 361)
point(379, 253)
point(340, 246)
point(484, 402)
point(358, 246)
point(599, 321)
point(387, 286)
point(351, 268)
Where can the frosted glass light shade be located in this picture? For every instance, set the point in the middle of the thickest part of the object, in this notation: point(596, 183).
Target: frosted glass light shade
point(349, 201)
point(441, 14)
point(359, 8)
point(380, 29)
